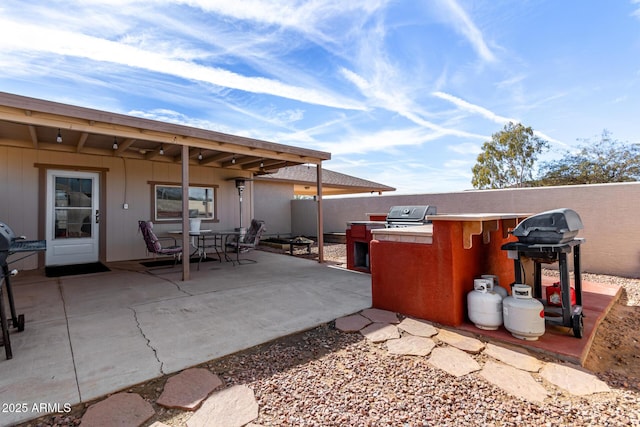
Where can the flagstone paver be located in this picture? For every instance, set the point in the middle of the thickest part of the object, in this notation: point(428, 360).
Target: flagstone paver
point(352, 323)
point(417, 327)
point(517, 359)
point(120, 409)
point(381, 316)
point(468, 344)
point(235, 406)
point(573, 380)
point(513, 381)
point(379, 332)
point(411, 346)
point(453, 361)
point(188, 389)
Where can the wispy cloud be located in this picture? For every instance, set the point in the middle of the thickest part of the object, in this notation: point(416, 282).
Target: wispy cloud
point(475, 109)
point(31, 38)
point(384, 140)
point(465, 148)
point(636, 12)
point(463, 24)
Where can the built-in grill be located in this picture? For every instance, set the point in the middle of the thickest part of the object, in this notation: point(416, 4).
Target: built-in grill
point(409, 216)
point(10, 244)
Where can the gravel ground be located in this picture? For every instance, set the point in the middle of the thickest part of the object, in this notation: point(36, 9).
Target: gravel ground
point(324, 377)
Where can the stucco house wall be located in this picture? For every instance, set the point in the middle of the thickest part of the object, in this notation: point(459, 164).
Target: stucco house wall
point(304, 217)
point(273, 205)
point(609, 213)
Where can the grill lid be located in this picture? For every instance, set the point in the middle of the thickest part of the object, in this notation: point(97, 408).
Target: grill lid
point(9, 243)
point(554, 227)
point(410, 213)
point(6, 237)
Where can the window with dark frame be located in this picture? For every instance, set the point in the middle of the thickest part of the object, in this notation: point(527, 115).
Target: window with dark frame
point(167, 202)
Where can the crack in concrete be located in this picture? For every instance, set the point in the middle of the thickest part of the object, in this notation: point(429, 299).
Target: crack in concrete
point(155, 352)
point(177, 285)
point(66, 319)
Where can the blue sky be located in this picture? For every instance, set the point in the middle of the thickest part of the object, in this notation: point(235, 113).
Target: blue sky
point(400, 92)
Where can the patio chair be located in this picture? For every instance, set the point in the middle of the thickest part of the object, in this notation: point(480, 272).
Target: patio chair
point(249, 241)
point(154, 245)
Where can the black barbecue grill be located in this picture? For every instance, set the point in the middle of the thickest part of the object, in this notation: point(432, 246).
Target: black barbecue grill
point(556, 227)
point(10, 244)
point(409, 216)
point(547, 238)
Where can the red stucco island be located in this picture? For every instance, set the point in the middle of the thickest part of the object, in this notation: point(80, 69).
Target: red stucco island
point(427, 271)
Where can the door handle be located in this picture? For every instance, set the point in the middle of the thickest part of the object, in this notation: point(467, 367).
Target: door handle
point(97, 216)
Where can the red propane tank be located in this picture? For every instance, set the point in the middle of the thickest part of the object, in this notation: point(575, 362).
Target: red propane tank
point(554, 295)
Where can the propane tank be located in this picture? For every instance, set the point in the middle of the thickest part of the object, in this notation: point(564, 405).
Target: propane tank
point(496, 285)
point(554, 295)
point(484, 306)
point(523, 315)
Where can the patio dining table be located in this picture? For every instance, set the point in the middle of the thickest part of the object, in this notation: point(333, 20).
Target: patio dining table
point(204, 240)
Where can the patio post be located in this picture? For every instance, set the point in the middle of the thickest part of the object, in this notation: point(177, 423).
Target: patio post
point(186, 274)
point(320, 219)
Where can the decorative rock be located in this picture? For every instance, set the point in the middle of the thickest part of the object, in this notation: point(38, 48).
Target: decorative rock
point(420, 328)
point(411, 346)
point(514, 381)
point(379, 332)
point(352, 323)
point(575, 381)
point(121, 409)
point(381, 316)
point(453, 361)
point(468, 344)
point(188, 389)
point(230, 407)
point(514, 358)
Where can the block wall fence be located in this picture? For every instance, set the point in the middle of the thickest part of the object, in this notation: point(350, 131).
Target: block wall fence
point(610, 214)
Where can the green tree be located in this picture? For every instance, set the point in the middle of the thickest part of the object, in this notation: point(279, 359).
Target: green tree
point(508, 159)
point(599, 160)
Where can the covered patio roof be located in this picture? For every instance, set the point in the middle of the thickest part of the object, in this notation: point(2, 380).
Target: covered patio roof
point(35, 123)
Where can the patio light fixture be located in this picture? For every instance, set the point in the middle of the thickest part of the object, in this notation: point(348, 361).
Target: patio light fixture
point(59, 137)
point(115, 143)
point(200, 155)
point(162, 150)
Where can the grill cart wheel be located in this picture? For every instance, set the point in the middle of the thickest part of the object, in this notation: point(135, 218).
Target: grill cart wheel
point(20, 323)
point(578, 325)
point(6, 341)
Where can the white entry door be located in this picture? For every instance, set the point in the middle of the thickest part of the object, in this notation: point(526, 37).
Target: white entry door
point(73, 214)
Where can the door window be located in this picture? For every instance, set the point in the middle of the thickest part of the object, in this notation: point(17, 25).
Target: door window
point(73, 208)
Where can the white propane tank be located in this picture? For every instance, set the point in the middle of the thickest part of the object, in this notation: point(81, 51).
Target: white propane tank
point(484, 306)
point(523, 315)
point(496, 285)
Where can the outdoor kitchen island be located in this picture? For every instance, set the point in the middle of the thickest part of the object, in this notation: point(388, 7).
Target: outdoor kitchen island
point(426, 271)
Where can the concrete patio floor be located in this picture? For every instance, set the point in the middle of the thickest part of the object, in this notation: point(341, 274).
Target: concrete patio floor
point(90, 335)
